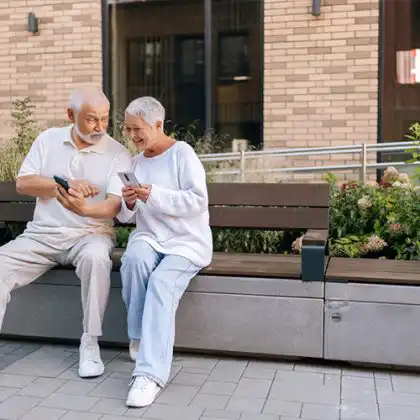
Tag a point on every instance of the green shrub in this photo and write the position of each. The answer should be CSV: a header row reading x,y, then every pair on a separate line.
x,y
14,150
380,220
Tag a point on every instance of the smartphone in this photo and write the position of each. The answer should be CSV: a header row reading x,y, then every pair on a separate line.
x,y
62,182
129,179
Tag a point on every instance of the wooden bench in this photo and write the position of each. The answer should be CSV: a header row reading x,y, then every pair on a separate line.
x,y
245,303
372,311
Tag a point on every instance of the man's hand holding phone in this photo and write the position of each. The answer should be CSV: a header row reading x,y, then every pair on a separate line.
x,y
84,187
72,200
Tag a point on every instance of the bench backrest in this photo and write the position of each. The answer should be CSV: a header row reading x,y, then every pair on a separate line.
x,y
231,205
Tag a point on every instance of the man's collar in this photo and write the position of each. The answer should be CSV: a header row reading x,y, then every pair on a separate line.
x,y
99,147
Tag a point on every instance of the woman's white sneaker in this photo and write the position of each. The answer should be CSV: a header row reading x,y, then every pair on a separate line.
x,y
133,349
142,392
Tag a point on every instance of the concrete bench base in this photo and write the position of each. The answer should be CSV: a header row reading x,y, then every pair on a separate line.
x,y
275,317
372,323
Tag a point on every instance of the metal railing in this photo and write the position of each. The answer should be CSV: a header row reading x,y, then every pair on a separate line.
x,y
361,149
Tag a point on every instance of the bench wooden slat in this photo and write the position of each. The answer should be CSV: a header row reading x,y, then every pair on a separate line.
x,y
315,237
269,217
359,270
16,212
254,194
246,265
8,193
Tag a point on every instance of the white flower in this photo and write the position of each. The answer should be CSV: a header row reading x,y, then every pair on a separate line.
x,y
404,178
297,245
374,244
390,174
397,184
364,203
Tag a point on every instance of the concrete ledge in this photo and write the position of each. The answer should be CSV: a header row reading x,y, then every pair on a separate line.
x,y
372,323
276,317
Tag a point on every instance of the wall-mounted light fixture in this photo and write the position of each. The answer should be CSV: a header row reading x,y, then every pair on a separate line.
x,y
32,23
316,7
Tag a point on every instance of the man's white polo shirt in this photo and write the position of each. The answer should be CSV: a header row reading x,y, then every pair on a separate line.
x,y
54,153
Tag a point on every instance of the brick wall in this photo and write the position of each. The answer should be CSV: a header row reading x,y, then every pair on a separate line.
x,y
320,74
64,54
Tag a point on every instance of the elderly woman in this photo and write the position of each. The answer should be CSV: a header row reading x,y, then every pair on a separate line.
x,y
172,242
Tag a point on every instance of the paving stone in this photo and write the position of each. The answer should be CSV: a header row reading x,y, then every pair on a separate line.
x,y
44,413
282,408
171,412
358,388
228,371
6,393
135,412
174,372
222,414
383,384
51,368
255,416
320,412
219,388
70,402
118,365
189,379
397,412
210,401
15,381
309,392
397,398
248,387
276,365
363,373
356,410
16,407
72,374
317,368
42,387
111,388
200,362
259,372
110,406
77,415
77,387
409,384
113,417
254,405
298,378
178,394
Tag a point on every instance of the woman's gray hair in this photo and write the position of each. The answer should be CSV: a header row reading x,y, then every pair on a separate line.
x,y
87,95
147,108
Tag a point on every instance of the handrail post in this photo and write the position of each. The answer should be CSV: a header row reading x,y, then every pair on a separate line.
x,y
242,163
363,161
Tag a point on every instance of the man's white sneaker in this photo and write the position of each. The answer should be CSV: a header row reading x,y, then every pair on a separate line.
x,y
142,392
133,349
90,362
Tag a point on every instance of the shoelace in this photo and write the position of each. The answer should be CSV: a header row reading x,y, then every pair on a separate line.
x,y
140,383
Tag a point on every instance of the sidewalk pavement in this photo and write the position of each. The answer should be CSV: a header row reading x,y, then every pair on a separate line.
x,y
40,382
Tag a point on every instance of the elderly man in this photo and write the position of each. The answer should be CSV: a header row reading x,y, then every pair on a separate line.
x,y
74,227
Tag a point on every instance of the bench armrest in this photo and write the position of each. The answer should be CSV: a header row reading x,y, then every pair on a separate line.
x,y
313,260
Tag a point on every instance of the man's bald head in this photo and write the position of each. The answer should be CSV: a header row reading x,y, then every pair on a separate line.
x,y
88,95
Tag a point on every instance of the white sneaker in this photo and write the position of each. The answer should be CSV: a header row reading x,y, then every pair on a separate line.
x,y
90,362
143,392
133,349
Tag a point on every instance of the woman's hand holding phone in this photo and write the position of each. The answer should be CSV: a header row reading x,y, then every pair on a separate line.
x,y
131,194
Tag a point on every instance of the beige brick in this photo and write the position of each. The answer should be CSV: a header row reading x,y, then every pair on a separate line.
x,y
42,66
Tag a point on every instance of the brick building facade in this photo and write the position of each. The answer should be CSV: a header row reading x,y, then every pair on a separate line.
x,y
318,78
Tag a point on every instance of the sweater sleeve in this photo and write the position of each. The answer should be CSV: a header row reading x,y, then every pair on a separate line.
x,y
126,215
192,198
